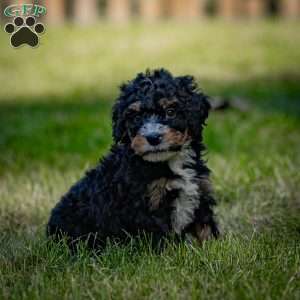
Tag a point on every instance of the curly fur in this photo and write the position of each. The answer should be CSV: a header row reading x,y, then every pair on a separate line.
x,y
159,186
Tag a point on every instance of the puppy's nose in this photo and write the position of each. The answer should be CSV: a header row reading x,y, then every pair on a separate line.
x,y
154,139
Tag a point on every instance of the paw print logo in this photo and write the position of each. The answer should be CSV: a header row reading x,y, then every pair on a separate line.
x,y
24,31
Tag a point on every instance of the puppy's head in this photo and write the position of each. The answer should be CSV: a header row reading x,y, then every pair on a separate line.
x,y
157,115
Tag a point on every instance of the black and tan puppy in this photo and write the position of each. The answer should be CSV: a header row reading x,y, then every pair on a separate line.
x,y
154,179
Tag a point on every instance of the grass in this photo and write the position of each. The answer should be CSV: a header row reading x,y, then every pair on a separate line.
x,y
55,122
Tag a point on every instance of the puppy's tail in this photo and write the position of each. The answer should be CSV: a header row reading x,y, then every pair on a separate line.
x,y
224,103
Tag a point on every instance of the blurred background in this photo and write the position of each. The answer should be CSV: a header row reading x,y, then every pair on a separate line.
x,y
88,11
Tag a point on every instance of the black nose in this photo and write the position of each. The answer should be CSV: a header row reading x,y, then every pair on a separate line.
x,y
153,139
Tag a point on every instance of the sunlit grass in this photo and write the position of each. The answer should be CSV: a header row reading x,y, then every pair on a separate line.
x,y
70,59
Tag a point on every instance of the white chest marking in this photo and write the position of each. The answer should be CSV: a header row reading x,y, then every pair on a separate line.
x,y
188,199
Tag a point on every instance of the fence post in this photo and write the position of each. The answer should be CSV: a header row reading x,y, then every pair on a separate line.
x,y
150,9
85,11
55,11
255,8
229,8
188,9
290,8
175,8
195,8
118,10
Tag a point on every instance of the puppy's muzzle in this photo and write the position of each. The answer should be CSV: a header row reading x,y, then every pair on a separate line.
x,y
153,133
158,142
154,139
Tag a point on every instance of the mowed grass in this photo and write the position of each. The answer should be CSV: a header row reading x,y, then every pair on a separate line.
x,y
55,123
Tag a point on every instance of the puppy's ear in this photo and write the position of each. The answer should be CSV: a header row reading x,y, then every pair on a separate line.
x,y
127,90
197,104
119,131
202,104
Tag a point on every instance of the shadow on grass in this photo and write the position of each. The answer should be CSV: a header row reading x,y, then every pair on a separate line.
x,y
76,129
55,133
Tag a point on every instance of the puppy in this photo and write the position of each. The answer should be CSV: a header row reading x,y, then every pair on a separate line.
x,y
154,179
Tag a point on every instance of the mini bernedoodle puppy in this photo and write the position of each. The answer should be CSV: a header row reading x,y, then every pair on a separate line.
x,y
154,179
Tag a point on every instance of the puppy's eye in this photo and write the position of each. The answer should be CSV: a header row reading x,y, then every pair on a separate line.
x,y
137,119
171,113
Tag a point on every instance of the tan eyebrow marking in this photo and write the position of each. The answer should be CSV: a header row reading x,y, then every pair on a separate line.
x,y
165,103
136,106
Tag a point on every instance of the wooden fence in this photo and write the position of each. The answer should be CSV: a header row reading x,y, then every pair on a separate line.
x,y
87,11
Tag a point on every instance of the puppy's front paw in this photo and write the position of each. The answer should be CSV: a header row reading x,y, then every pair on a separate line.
x,y
204,232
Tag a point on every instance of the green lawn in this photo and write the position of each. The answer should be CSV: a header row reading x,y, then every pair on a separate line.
x,y
55,123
